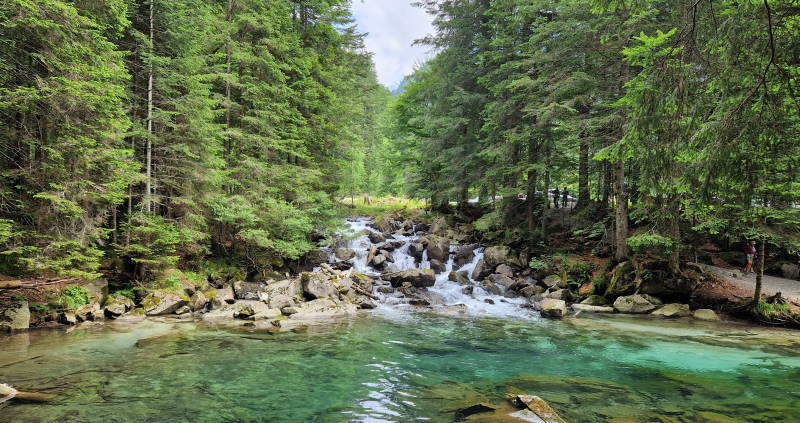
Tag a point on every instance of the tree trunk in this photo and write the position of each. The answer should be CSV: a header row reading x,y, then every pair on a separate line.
x,y
621,218
149,165
583,176
531,195
228,19
760,273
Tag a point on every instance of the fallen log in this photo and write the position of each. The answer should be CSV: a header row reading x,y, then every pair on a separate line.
x,y
364,292
8,393
10,284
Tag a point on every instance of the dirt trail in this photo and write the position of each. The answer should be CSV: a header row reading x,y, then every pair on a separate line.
x,y
770,284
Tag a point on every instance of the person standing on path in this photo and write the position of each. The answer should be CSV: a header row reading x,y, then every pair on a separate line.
x,y
556,195
565,198
750,253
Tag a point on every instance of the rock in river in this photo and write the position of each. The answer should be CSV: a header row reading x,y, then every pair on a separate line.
x,y
418,278
345,253
14,315
634,304
673,310
162,302
554,308
317,285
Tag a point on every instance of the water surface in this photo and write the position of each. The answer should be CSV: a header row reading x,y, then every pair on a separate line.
x,y
405,367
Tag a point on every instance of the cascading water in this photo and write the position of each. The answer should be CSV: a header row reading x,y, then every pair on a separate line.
x,y
479,302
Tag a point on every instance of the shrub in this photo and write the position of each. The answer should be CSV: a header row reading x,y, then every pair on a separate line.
x,y
73,297
652,244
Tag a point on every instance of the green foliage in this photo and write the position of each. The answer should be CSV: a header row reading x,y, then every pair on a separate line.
x,y
769,311
128,293
579,272
652,244
73,297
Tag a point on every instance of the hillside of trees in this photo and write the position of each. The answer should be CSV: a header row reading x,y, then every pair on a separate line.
x,y
142,135
153,132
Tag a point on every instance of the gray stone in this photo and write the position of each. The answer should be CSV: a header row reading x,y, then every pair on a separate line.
x,y
222,296
421,296
592,308
595,300
490,287
505,269
531,291
323,309
673,310
116,305
89,312
15,315
552,307
344,253
416,277
183,310
279,301
790,271
705,314
198,301
438,248
481,270
386,290
378,261
437,266
68,318
468,290
554,281
495,256
246,290
633,304
461,278
376,237
291,288
225,312
559,294
416,249
159,303
502,280
464,254
317,285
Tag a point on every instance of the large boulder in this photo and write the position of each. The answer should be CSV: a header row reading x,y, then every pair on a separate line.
x,y
505,269
502,280
221,296
495,256
552,307
322,308
254,310
198,301
438,248
291,288
554,281
344,253
438,267
559,294
671,288
418,278
314,258
416,249
673,310
461,278
385,224
376,237
531,291
89,312
317,285
490,287
595,300
246,290
464,255
482,270
421,297
636,304
116,305
705,314
159,303
622,281
14,314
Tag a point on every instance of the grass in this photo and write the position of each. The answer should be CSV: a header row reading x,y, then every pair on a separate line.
x,y
379,205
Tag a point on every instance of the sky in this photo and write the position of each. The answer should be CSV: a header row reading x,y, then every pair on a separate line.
x,y
393,25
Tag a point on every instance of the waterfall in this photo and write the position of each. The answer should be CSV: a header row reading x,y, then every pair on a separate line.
x,y
356,237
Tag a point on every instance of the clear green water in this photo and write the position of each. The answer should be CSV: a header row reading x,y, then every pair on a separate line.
x,y
405,368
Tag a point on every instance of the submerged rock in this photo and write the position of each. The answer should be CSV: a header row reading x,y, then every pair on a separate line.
x,y
535,409
553,308
592,308
634,304
481,407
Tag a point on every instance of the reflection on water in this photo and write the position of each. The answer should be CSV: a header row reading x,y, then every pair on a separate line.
x,y
413,367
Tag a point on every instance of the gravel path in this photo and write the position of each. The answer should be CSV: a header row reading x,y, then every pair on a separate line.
x,y
770,284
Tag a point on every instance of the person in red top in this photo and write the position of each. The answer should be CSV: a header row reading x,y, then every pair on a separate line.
x,y
751,253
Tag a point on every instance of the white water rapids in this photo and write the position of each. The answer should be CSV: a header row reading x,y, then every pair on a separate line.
x,y
476,303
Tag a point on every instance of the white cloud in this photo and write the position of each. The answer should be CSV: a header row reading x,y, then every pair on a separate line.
x,y
393,25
